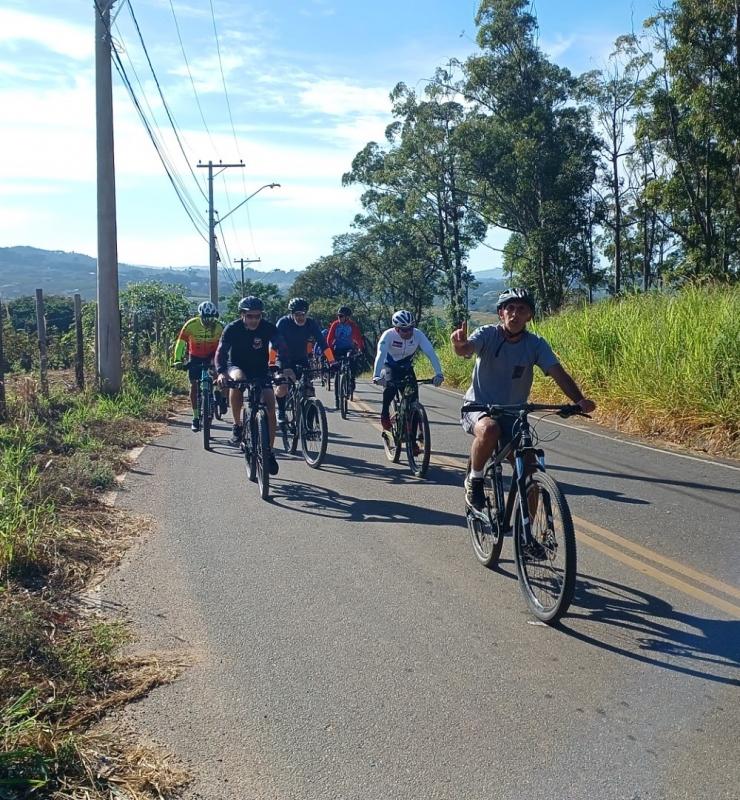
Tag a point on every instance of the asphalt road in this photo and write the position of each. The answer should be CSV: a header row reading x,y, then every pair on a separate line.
x,y
344,643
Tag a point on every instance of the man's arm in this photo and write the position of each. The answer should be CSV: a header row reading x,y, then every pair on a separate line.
x,y
181,345
331,335
570,388
222,354
429,352
381,356
357,337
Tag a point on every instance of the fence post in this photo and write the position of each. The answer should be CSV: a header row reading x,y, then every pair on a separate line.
x,y
134,340
3,408
41,330
80,351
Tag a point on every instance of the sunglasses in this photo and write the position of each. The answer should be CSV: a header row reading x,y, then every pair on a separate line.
x,y
299,313
253,316
405,330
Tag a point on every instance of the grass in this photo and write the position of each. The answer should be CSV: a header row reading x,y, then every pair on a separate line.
x,y
61,667
666,365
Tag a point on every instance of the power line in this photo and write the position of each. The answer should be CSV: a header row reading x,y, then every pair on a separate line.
x,y
164,102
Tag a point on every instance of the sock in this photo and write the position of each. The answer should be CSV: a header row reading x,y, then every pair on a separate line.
x,y
281,404
196,413
476,473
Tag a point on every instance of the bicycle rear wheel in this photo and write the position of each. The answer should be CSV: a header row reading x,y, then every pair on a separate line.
x,y
261,446
486,536
314,432
392,438
288,428
205,419
418,440
547,565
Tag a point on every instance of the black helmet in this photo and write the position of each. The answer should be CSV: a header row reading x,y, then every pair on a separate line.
x,y
251,303
297,304
344,311
515,294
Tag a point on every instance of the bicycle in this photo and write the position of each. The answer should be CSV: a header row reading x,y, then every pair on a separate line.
x,y
344,385
255,443
409,426
544,538
305,419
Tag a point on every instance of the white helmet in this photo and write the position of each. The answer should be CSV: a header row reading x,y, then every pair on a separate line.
x,y
403,319
207,309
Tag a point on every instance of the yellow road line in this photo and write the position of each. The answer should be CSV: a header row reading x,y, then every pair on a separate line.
x,y
584,528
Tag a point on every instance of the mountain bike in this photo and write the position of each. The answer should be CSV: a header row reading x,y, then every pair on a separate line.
x,y
206,403
255,442
305,419
409,426
544,539
344,385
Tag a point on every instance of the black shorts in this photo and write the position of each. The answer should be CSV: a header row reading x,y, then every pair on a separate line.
x,y
195,367
236,373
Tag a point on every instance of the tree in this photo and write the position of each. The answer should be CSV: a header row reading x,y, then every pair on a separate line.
x,y
269,293
692,99
152,314
531,149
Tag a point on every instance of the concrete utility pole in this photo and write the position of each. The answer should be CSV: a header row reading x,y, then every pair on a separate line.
x,y
241,262
212,257
109,322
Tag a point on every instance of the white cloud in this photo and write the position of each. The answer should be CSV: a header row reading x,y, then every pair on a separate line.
x,y
340,98
73,41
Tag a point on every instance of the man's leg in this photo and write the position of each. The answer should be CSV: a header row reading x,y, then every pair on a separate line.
x,y
486,434
194,368
236,396
268,398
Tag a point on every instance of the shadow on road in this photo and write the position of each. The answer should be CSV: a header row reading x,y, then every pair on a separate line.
x,y
651,631
388,472
306,498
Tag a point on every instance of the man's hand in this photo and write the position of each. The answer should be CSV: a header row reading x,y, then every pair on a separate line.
x,y
437,380
334,366
379,380
181,365
221,379
459,339
587,405
290,375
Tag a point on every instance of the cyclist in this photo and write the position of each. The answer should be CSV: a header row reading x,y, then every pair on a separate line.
x,y
344,335
198,340
243,355
296,328
505,356
396,349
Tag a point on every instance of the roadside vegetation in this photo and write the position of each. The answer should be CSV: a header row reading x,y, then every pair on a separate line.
x,y
61,663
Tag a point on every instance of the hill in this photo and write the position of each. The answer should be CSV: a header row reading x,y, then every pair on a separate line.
x,y
25,269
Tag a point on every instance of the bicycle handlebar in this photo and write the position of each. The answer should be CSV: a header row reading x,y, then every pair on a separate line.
x,y
563,410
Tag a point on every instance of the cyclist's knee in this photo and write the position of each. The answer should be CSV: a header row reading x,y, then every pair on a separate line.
x,y
487,431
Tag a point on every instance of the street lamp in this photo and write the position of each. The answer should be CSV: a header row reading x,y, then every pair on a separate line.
x,y
229,213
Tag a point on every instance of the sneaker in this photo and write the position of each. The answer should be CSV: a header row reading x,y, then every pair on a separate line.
x,y
274,466
385,422
195,425
236,435
475,496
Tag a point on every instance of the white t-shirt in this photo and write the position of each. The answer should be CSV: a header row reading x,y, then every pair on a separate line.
x,y
393,348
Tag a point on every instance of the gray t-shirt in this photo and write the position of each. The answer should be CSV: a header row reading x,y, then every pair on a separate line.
x,y
503,370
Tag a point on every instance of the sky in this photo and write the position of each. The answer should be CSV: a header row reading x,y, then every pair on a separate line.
x,y
307,84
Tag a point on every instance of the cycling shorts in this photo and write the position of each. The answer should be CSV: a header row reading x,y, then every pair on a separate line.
x,y
195,366
238,374
505,423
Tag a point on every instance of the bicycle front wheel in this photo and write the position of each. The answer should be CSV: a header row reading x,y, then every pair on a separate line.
x,y
314,433
486,535
249,446
261,447
547,564
418,440
205,419
344,392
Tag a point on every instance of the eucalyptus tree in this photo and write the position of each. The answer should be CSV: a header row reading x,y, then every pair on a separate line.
x,y
423,179
693,98
530,148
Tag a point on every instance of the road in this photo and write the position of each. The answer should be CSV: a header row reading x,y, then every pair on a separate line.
x,y
344,643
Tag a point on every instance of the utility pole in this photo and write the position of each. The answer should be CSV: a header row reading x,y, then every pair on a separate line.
x,y
241,262
109,322
212,257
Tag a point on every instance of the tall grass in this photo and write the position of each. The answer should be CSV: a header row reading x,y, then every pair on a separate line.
x,y
666,363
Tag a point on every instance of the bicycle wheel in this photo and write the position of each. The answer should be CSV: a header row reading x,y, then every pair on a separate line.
x,y
418,440
547,565
205,419
216,403
314,433
261,446
250,448
344,392
288,427
486,537
392,438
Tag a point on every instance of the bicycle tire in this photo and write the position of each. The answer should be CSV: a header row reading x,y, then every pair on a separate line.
x,y
417,433
205,420
343,395
392,438
287,427
314,433
216,408
538,570
262,454
487,540
249,448
296,420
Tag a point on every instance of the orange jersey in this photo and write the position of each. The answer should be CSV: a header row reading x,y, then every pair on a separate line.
x,y
196,340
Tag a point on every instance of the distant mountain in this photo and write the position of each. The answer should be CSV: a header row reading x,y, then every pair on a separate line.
x,y
489,275
25,269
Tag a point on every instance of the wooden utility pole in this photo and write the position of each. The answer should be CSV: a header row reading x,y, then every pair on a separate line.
x,y
241,262
3,407
41,330
109,322
80,350
212,255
